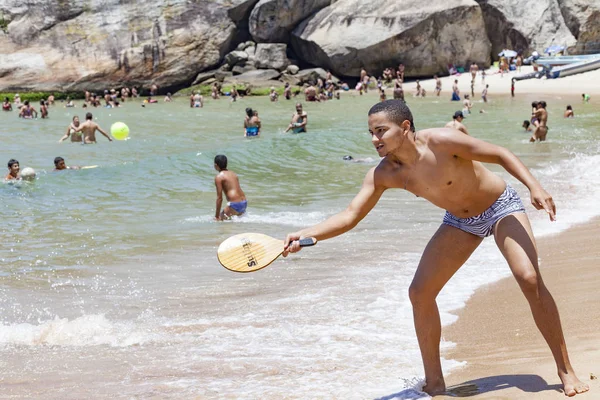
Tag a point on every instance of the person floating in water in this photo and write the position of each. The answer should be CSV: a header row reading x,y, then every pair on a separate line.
x,y
60,165
13,170
527,125
299,120
445,167
251,123
228,183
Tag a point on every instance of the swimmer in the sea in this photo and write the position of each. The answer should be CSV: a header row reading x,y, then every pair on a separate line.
x,y
60,165
13,170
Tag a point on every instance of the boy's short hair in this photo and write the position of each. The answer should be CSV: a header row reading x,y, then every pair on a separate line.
x,y
57,160
89,116
396,110
12,162
221,161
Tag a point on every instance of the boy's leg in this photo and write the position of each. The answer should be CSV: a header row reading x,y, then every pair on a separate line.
x,y
515,240
446,252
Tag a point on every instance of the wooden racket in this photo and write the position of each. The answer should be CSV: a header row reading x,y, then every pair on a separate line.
x,y
248,252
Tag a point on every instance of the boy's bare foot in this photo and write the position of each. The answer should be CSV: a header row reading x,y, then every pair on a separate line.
x,y
435,387
572,385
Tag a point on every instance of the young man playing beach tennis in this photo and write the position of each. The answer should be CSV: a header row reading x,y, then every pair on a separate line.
x,y
227,182
444,166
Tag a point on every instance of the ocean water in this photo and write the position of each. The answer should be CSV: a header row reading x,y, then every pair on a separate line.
x,y
109,282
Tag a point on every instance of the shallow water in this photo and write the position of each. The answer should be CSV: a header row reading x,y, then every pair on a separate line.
x,y
109,282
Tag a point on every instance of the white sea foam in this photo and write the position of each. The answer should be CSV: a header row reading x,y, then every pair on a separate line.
x,y
87,330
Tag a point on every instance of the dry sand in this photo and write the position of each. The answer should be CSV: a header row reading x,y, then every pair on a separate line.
x,y
506,355
570,85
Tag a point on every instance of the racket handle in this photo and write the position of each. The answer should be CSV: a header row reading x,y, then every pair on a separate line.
x,y
307,242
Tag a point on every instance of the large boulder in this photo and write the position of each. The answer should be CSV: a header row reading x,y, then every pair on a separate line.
x,y
273,20
236,57
255,77
271,56
92,44
426,37
583,19
524,25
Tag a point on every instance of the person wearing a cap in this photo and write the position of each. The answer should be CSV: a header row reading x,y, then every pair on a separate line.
x,y
456,123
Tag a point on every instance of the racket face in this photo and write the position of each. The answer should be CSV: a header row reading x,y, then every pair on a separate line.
x,y
248,252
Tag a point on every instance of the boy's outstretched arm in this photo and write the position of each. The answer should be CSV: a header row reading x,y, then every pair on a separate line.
x,y
470,148
341,222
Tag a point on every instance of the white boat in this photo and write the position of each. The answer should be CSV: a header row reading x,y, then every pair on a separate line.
x,y
565,60
572,69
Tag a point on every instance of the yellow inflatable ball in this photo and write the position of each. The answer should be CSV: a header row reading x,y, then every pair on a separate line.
x,y
119,131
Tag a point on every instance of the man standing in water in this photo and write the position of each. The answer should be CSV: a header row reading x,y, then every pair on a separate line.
x,y
89,128
228,182
299,120
456,123
444,167
541,115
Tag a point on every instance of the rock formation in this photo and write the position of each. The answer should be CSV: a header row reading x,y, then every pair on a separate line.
x,y
521,26
98,44
425,37
583,19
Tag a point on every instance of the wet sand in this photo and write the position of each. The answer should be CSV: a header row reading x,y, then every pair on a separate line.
x,y
506,355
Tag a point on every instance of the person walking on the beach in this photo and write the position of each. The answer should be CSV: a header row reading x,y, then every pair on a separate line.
x,y
456,123
438,85
455,91
445,167
541,115
228,183
89,128
473,70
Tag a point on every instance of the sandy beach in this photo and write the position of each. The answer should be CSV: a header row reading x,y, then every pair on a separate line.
x,y
506,355
500,85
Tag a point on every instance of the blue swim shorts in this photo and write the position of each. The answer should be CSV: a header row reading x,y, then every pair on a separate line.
x,y
239,206
482,225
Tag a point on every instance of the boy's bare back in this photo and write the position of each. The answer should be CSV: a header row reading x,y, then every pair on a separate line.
x,y
231,186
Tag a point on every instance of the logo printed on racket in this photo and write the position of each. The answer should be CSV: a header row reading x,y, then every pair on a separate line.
x,y
246,245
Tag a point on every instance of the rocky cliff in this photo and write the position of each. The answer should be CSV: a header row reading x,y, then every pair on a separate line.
x,y
94,44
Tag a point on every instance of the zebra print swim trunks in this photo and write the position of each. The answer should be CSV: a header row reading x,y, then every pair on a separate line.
x,y
482,225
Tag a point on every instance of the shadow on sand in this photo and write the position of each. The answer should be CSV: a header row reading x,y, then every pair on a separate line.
x,y
525,383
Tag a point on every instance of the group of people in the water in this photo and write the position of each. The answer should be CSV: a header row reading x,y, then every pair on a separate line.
x,y
28,174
